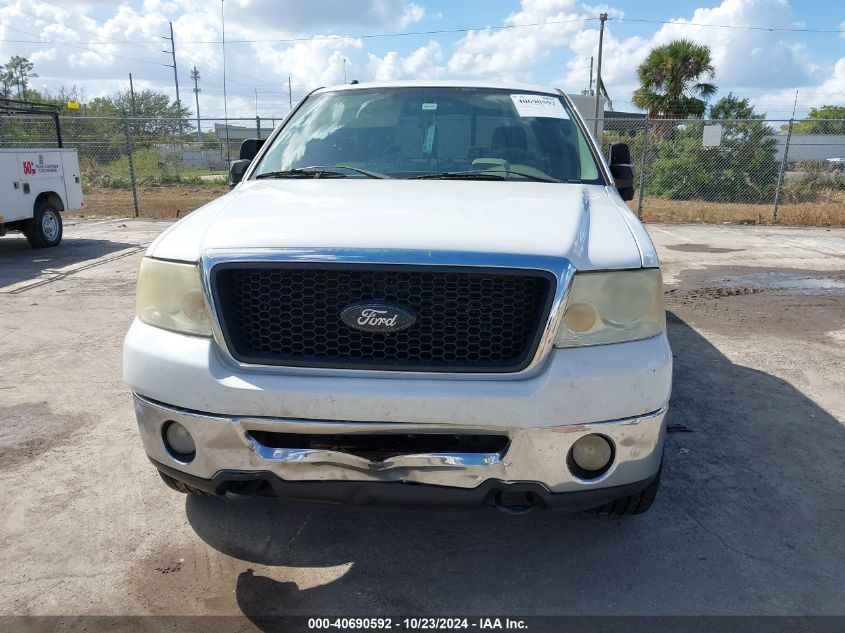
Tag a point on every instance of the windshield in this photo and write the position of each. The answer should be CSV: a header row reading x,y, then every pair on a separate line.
x,y
434,132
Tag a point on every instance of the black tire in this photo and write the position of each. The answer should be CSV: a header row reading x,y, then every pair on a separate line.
x,y
634,504
44,229
182,487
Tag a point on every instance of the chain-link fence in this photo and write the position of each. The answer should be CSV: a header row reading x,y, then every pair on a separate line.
x,y
689,170
736,170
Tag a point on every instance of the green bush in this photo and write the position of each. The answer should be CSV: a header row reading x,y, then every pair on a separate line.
x,y
151,169
812,186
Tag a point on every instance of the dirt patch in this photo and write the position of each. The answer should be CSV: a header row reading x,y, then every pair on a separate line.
x,y
153,202
29,429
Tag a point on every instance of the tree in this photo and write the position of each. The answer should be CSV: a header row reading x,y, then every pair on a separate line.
x,y
828,119
21,70
670,77
7,80
154,112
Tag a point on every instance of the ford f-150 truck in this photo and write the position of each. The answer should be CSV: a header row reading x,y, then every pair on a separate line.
x,y
417,293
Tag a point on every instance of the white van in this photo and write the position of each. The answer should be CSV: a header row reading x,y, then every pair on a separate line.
x,y
36,186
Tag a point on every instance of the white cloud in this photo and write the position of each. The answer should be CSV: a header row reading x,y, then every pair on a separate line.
x,y
513,53
423,63
307,16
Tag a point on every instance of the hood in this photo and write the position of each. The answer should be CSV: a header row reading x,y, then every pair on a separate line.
x,y
580,222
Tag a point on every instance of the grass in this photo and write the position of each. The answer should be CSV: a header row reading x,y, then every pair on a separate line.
x,y
828,210
151,169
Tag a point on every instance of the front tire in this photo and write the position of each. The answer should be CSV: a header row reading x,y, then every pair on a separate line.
x,y
637,503
44,229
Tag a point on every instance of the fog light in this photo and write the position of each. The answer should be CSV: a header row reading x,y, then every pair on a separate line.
x,y
179,442
592,453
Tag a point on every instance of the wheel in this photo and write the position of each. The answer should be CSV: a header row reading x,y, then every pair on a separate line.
x,y
182,487
633,504
45,228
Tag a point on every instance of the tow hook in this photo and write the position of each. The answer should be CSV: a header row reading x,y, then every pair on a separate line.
x,y
515,503
243,490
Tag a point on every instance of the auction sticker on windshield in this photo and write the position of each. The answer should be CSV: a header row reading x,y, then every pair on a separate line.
x,y
539,106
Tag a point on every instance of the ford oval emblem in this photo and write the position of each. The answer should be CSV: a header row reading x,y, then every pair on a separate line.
x,y
376,316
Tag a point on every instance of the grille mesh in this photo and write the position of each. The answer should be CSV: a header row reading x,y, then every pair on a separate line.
x,y
478,321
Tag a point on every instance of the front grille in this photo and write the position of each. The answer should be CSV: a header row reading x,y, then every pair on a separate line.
x,y
484,320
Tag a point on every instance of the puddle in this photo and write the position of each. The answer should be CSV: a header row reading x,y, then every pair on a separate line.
x,y
795,282
701,248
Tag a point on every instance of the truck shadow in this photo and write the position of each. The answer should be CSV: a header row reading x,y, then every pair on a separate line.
x,y
20,262
748,522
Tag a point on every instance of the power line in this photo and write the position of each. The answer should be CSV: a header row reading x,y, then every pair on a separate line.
x,y
75,28
403,34
91,17
730,26
90,50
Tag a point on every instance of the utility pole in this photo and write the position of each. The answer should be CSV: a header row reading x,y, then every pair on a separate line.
x,y
783,161
602,20
132,94
225,100
290,95
175,74
195,75
590,86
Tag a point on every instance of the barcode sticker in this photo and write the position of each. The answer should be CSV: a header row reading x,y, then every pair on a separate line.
x,y
539,106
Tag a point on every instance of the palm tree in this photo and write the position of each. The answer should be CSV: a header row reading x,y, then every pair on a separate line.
x,y
670,80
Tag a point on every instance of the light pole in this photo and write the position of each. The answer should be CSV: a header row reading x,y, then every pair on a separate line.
x,y
195,75
225,100
602,20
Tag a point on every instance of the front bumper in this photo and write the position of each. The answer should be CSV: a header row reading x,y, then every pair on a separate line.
x,y
511,497
534,461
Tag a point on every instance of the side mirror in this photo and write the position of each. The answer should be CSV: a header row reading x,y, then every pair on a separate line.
x,y
622,170
237,170
250,147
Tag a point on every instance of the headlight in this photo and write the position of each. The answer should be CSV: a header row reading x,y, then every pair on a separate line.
x,y
170,297
612,307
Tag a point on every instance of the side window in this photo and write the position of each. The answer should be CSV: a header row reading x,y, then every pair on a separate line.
x,y
589,171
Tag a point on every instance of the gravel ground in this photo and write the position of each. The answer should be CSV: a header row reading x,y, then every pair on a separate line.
x,y
749,520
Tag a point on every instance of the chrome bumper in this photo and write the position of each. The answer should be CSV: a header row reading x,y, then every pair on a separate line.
x,y
536,455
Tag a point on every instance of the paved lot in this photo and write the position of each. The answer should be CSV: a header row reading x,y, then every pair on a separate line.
x,y
750,519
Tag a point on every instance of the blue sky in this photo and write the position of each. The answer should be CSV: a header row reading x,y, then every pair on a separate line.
x,y
94,44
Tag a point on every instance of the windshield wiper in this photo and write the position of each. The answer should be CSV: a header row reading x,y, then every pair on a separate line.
x,y
320,171
482,174
459,175
540,177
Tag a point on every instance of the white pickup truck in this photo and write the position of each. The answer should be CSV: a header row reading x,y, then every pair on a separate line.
x,y
417,293
36,186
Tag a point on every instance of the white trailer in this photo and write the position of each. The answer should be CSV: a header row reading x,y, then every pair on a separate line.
x,y
36,186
